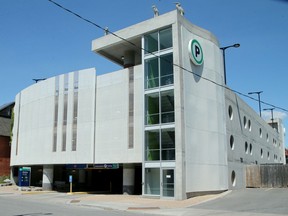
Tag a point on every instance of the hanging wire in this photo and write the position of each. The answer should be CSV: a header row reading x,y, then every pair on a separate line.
x,y
147,51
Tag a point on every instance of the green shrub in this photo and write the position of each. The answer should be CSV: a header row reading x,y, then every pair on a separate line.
x,y
2,178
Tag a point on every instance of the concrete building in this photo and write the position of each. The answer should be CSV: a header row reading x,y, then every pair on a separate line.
x,y
5,132
159,127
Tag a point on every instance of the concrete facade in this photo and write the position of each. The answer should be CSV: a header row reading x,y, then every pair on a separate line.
x,y
159,127
250,140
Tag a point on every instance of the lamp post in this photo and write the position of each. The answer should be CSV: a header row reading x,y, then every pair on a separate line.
x,y
271,109
259,101
223,51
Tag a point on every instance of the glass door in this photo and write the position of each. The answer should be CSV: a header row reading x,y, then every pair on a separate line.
x,y
168,182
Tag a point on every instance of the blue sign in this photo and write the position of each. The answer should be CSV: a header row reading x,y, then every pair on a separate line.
x,y
70,178
106,166
76,166
24,176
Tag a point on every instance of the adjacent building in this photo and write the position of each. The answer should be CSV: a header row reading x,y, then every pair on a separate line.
x,y
164,126
5,133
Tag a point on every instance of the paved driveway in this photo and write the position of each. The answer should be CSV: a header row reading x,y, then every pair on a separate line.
x,y
248,202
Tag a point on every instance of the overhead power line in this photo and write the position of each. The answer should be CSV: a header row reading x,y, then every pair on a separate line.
x,y
141,48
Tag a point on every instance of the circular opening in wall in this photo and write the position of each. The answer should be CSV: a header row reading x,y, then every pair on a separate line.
x,y
249,125
260,132
246,147
250,149
230,112
245,122
233,178
232,142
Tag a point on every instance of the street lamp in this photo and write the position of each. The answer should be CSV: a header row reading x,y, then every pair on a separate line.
x,y
37,80
259,101
271,109
223,51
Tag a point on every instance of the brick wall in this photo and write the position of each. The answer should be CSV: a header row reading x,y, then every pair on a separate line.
x,y
4,156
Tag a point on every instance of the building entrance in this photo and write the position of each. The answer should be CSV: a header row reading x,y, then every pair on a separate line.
x,y
168,182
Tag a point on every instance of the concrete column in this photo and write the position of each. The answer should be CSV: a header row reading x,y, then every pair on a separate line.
x,y
129,59
47,180
128,178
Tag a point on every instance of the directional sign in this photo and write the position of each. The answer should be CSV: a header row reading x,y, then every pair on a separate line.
x,y
24,176
76,166
106,166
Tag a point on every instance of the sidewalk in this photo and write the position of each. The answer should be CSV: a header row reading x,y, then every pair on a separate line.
x,y
122,202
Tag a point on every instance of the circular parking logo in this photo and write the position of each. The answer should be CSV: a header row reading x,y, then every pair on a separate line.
x,y
195,52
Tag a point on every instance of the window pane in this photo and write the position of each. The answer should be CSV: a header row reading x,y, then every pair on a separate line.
x,y
168,144
167,106
152,109
165,38
151,73
151,42
166,69
152,181
152,147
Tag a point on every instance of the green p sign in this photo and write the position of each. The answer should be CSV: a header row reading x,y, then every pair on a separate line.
x,y
195,52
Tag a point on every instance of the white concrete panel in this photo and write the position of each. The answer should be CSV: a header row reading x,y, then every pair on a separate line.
x,y
204,117
35,136
112,115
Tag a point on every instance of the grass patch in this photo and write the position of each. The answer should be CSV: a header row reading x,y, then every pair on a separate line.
x,y
2,178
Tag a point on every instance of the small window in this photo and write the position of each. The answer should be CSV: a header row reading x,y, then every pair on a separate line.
x,y
230,112
245,122
267,137
249,125
260,132
246,147
232,142
251,149
261,153
268,155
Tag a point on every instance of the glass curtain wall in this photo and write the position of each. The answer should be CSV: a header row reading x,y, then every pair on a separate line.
x,y
159,130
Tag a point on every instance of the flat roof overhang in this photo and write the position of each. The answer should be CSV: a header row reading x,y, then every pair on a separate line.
x,y
113,46
115,52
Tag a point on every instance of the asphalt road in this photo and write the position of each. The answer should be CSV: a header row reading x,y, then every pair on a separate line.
x,y
273,201
247,202
49,204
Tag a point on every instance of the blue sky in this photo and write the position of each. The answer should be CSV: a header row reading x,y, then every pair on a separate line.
x,y
39,40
